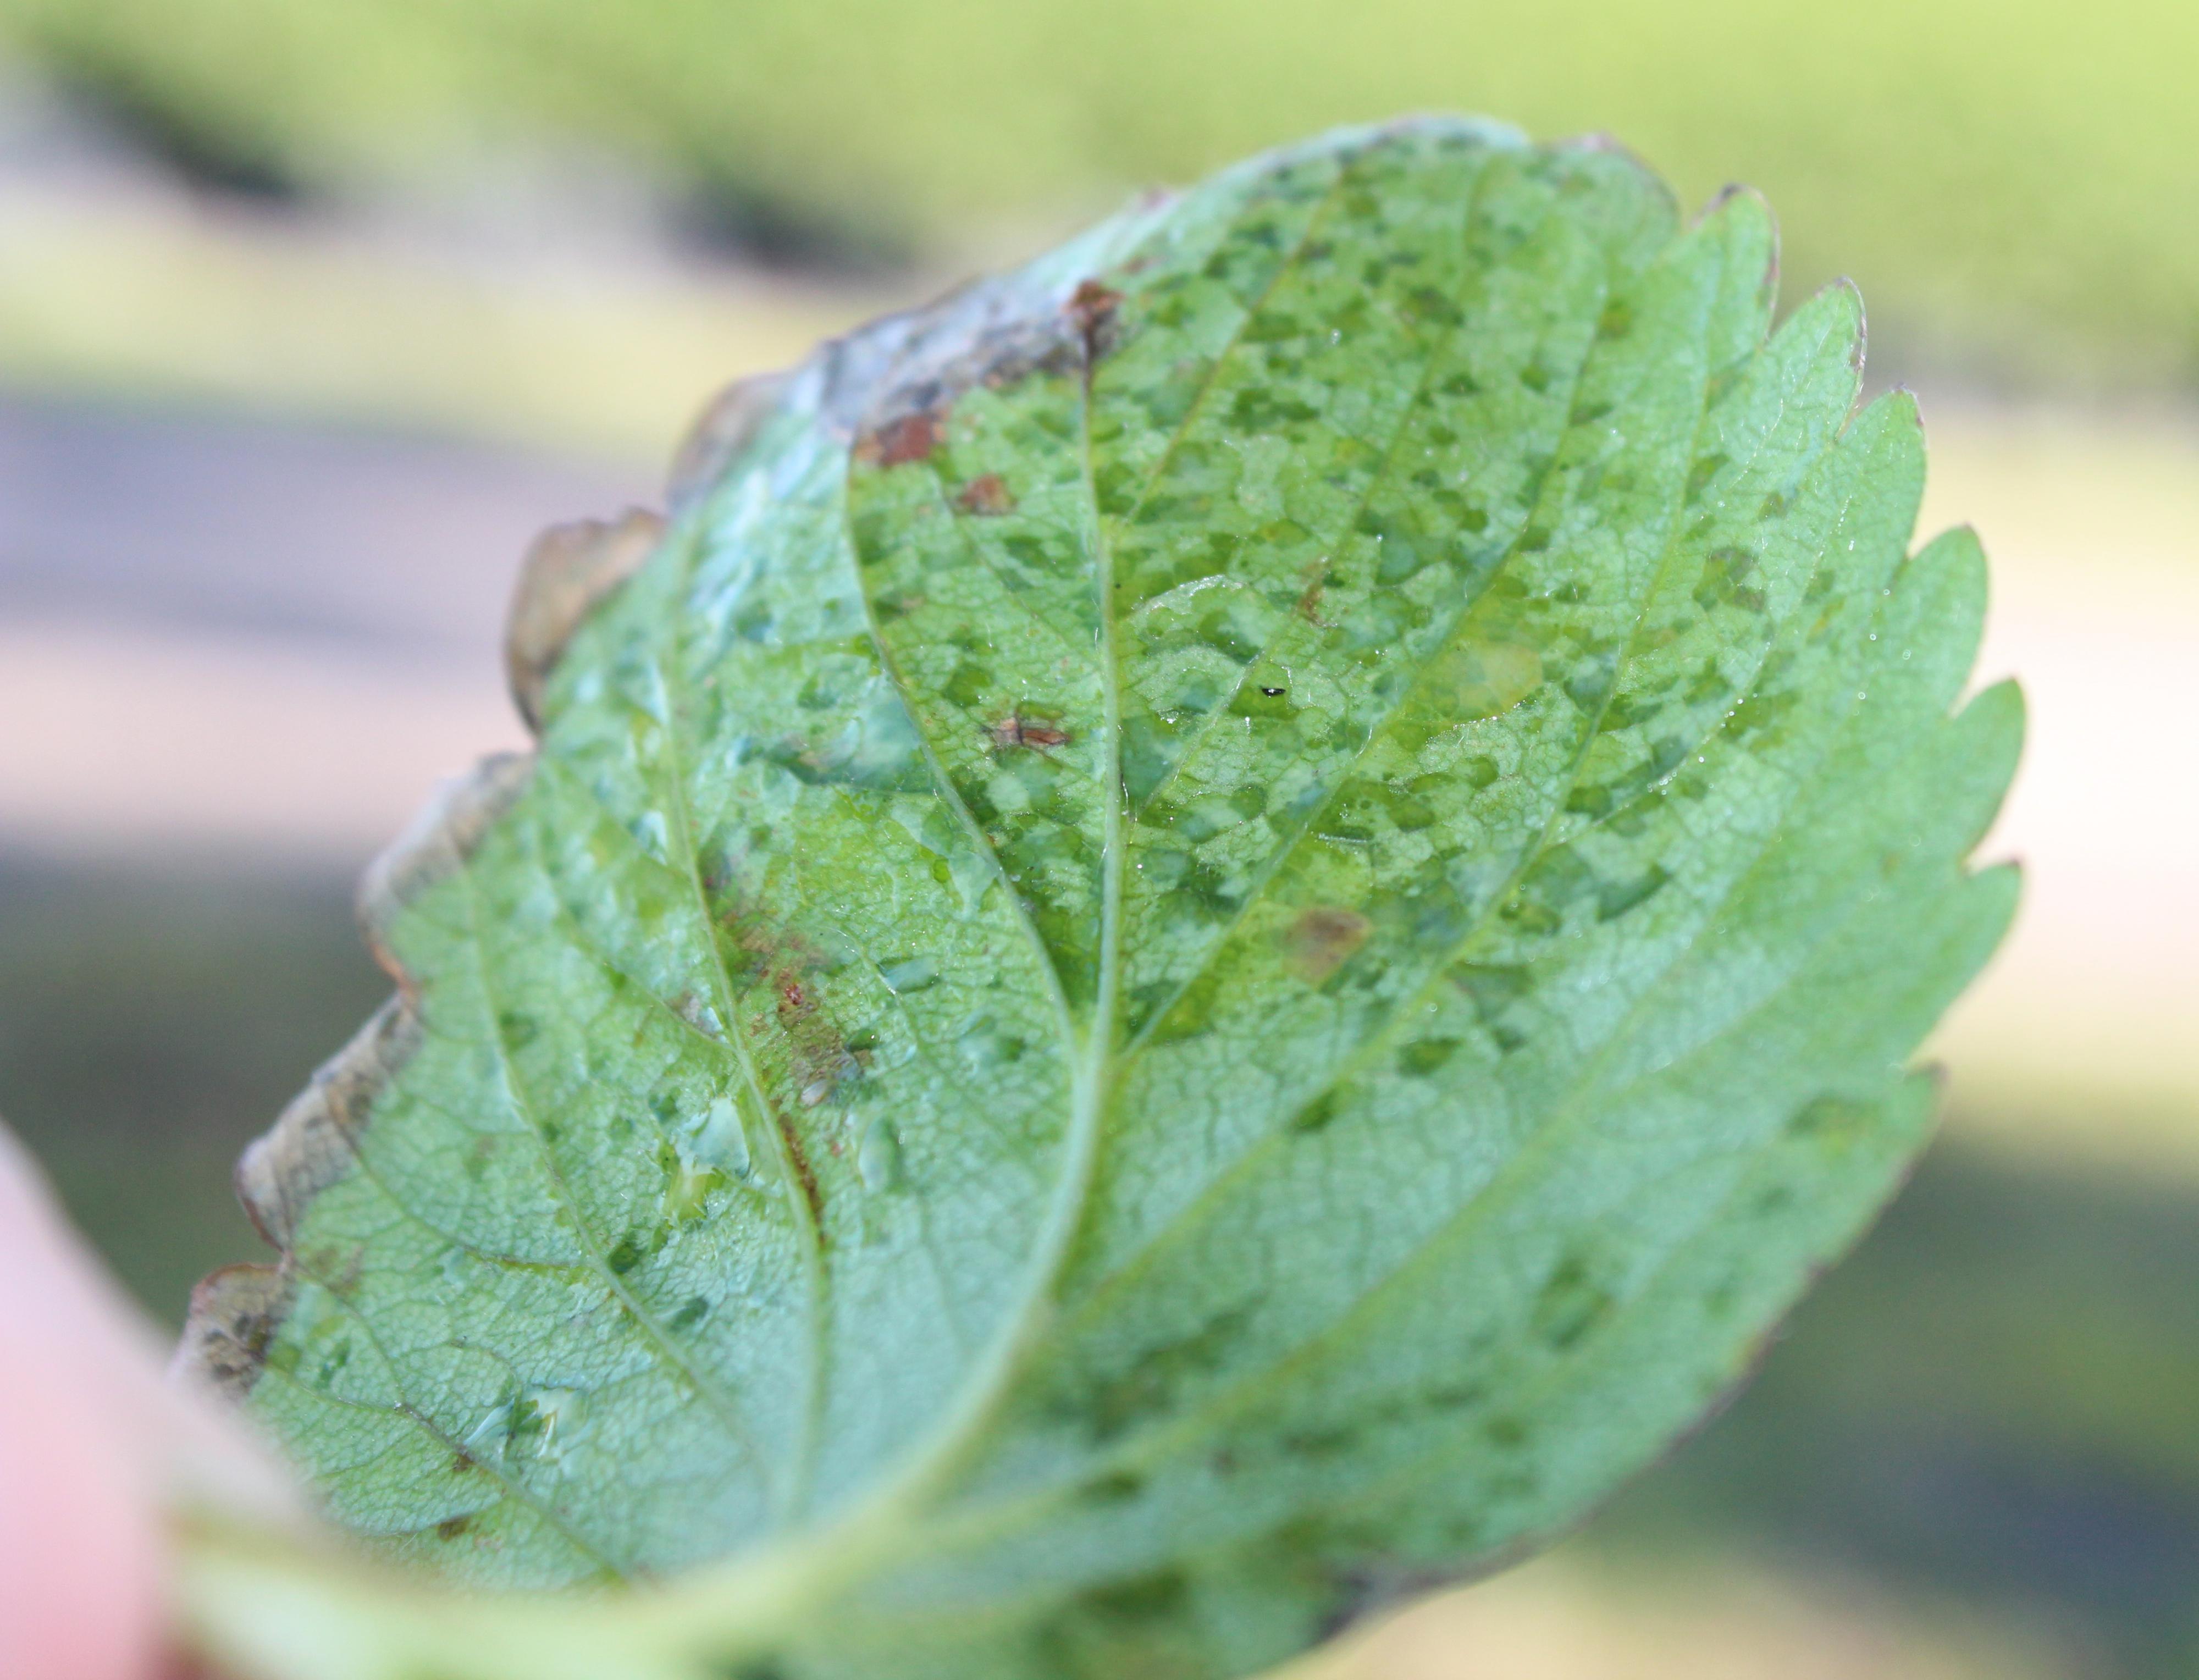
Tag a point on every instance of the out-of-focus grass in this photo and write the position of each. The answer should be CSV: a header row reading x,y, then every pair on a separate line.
x,y
153,1020
1992,1397
134,298
1599,1612
2014,175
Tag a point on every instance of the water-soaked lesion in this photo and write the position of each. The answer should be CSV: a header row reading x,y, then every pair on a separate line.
x,y
1420,878
1406,568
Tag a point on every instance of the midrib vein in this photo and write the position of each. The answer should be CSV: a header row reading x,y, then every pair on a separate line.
x,y
1091,1054
1435,352
1285,266
1143,1450
787,1579
791,1494
1530,855
1342,775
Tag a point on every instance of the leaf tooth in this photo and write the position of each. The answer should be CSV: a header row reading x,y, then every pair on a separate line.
x,y
234,1313
720,434
314,1141
435,846
569,570
1740,223
1991,729
1943,590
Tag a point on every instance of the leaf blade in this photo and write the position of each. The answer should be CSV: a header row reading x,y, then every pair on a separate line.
x,y
1219,927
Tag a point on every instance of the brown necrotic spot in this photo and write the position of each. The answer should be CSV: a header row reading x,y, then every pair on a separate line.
x,y
234,1315
1093,307
1016,729
1323,939
909,437
798,1157
987,496
1309,605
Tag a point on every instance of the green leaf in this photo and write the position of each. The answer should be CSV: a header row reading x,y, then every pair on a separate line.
x,y
1210,937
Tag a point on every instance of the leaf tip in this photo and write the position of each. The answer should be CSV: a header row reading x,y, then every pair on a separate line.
x,y
1600,144
1846,290
2002,705
1601,140
1898,425
1748,213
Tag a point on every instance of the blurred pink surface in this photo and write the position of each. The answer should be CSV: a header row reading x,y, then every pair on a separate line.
x,y
82,1438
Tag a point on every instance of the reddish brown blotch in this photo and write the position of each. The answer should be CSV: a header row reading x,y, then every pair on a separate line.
x,y
1016,731
1323,939
913,437
1091,305
986,495
1316,576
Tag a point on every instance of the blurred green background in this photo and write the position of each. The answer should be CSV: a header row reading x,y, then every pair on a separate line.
x,y
311,309
1998,169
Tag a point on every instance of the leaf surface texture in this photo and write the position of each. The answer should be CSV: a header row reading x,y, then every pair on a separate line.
x,y
1214,934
